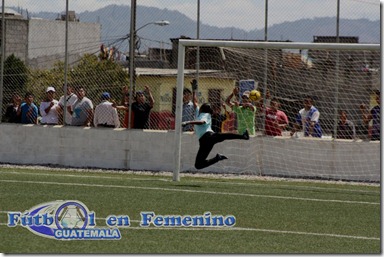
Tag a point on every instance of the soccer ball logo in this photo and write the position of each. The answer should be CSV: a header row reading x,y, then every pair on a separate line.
x,y
71,215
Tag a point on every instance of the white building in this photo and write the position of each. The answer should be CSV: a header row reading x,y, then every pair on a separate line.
x,y
41,43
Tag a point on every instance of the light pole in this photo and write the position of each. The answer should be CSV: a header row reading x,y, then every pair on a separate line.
x,y
132,66
132,43
158,23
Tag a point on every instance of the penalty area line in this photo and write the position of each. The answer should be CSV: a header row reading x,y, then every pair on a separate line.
x,y
300,233
196,180
190,191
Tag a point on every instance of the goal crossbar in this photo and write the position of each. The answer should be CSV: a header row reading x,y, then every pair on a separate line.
x,y
279,45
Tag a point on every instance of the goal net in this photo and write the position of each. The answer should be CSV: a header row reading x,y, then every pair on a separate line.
x,y
332,87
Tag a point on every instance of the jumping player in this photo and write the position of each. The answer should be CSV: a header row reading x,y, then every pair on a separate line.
x,y
208,138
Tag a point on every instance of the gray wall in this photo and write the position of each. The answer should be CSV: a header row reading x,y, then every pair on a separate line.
x,y
16,38
154,151
46,41
41,43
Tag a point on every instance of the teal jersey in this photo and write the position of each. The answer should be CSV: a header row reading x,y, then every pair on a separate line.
x,y
200,130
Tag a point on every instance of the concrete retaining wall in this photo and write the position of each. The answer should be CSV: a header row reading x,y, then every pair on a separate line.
x,y
154,151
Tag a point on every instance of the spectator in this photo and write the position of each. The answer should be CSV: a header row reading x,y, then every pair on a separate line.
x,y
48,108
217,118
126,115
70,99
308,120
260,102
260,106
82,109
188,109
345,127
141,108
229,124
373,115
28,111
275,120
362,129
268,98
11,111
105,114
245,112
124,105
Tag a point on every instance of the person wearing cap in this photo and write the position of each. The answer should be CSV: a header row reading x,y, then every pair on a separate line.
x,y
141,108
105,114
245,111
48,108
70,99
82,109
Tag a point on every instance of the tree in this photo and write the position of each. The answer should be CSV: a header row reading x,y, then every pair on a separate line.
x,y
97,76
15,79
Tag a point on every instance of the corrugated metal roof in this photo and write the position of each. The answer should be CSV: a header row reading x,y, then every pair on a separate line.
x,y
171,72
10,11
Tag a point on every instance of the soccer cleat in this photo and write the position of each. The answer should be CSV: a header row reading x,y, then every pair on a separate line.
x,y
246,135
221,157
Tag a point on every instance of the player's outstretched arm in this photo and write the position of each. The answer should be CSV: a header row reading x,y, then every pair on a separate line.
x,y
150,96
194,93
229,98
193,122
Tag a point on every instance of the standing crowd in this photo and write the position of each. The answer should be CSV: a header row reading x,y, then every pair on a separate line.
x,y
245,111
79,109
242,115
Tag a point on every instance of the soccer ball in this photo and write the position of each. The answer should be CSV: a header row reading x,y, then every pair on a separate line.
x,y
254,95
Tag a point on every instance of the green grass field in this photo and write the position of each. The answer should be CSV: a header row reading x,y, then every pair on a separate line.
x,y
272,216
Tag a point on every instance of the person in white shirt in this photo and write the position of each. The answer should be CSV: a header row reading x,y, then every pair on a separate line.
x,y
70,100
48,108
105,113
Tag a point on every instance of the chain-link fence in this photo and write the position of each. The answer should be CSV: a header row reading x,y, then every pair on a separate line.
x,y
97,47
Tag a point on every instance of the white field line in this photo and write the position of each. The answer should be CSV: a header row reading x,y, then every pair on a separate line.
x,y
189,191
243,229
195,181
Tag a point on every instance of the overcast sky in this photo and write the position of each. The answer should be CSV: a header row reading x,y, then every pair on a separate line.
x,y
245,14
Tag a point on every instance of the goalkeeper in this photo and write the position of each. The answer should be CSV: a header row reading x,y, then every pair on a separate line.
x,y
208,138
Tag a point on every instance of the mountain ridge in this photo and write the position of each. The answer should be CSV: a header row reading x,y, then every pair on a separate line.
x,y
115,26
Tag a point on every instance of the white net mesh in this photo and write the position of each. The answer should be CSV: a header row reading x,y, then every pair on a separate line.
x,y
332,89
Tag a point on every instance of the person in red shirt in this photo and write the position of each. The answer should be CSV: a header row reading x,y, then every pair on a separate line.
x,y
275,120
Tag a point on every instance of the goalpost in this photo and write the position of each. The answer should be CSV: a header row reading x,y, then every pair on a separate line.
x,y
338,76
